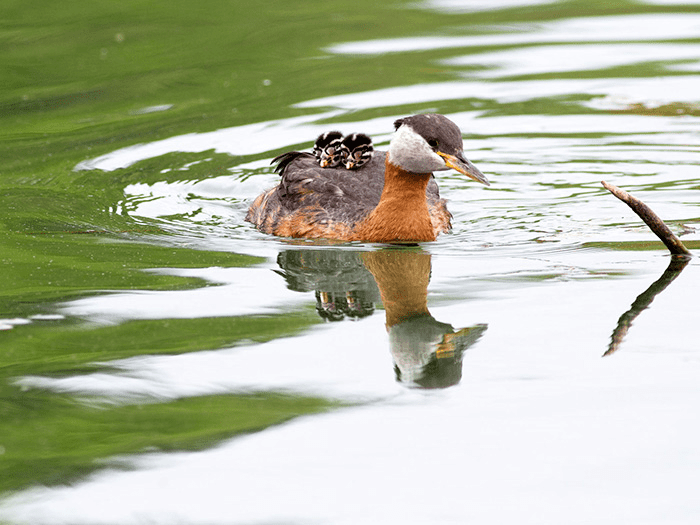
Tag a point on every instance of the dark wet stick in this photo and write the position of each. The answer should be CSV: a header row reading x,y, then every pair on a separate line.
x,y
652,220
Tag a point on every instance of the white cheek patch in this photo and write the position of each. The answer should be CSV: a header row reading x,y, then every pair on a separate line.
x,y
411,152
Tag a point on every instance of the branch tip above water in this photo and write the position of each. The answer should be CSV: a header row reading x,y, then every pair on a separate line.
x,y
650,218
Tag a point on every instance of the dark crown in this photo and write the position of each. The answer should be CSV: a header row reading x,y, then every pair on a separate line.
x,y
327,138
355,140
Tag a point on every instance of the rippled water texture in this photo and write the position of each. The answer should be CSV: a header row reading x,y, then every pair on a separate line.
x,y
165,362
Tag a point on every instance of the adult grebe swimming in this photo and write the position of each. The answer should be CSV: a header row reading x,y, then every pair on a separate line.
x,y
392,198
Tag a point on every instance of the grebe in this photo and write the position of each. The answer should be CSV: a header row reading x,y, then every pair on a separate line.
x,y
357,150
328,152
392,198
328,149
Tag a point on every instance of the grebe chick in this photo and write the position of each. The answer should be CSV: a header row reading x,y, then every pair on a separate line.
x,y
328,152
392,198
357,150
328,149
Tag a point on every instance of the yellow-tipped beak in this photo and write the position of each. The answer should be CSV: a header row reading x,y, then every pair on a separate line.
x,y
462,165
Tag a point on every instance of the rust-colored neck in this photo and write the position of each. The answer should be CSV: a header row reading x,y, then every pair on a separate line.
x,y
402,213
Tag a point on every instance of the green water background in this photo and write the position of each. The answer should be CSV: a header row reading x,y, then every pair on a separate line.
x,y
82,79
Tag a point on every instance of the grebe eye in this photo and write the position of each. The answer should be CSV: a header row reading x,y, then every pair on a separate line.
x,y
433,143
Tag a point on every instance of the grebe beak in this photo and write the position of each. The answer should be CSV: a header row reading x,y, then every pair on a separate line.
x,y
460,163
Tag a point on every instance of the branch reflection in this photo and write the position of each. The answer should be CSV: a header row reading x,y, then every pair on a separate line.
x,y
426,352
643,301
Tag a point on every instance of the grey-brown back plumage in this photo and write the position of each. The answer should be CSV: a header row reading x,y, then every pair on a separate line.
x,y
325,196
347,196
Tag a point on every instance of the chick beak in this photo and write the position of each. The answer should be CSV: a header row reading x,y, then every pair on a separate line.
x,y
460,163
325,162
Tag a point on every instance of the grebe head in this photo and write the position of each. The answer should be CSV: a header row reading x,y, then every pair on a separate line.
x,y
358,150
430,142
327,149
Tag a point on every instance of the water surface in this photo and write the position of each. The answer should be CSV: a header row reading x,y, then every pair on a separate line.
x,y
164,362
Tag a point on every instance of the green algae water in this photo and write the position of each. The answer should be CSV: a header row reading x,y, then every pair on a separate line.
x,y
539,363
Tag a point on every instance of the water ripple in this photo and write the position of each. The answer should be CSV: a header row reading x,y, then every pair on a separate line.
x,y
642,27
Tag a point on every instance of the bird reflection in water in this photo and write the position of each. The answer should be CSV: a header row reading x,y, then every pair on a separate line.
x,y
427,353
342,284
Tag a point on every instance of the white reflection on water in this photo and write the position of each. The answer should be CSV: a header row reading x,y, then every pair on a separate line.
x,y
632,90
351,361
470,6
581,57
651,27
474,457
538,415
240,140
671,2
352,371
260,286
500,442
